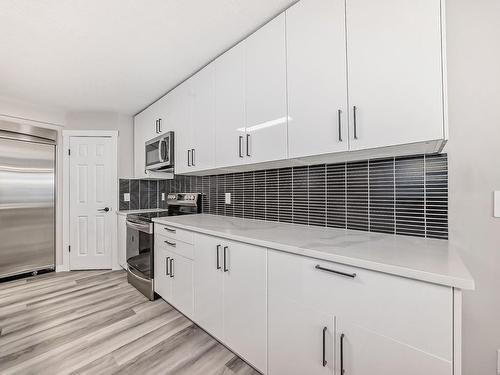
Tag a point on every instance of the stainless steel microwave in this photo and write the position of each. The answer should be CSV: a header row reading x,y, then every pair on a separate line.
x,y
160,152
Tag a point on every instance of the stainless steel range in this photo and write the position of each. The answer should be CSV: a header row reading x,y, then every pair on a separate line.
x,y
140,239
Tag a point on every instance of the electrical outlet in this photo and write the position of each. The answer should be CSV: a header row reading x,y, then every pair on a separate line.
x,y
228,198
162,196
126,197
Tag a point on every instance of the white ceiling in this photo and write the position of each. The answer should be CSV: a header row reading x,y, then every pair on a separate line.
x,y
115,55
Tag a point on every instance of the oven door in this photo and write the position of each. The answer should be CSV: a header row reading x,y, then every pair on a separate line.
x,y
140,243
159,152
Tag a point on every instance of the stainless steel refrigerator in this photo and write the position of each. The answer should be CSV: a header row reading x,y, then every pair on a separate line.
x,y
27,198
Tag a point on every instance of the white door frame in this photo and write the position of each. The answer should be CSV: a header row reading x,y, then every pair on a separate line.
x,y
66,135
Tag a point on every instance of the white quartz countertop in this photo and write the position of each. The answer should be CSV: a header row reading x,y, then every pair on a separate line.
x,y
126,212
428,260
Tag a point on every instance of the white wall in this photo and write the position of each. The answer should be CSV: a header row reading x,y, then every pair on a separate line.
x,y
109,121
27,111
473,38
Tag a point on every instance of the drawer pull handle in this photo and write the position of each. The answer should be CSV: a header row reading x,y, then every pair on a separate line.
x,y
318,267
324,347
173,244
169,230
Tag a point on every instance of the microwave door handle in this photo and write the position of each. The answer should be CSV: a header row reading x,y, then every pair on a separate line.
x,y
160,153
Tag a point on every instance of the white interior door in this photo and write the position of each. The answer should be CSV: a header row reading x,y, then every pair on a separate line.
x,y
93,171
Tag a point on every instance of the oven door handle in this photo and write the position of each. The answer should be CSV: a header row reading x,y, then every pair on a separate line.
x,y
146,228
133,271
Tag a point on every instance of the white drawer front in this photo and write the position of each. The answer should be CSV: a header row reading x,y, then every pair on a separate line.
x,y
175,246
412,312
174,233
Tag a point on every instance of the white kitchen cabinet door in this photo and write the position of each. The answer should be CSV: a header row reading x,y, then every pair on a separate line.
x,y
181,270
265,87
182,125
162,279
301,339
122,241
141,123
202,117
395,67
230,107
317,78
208,282
245,301
365,352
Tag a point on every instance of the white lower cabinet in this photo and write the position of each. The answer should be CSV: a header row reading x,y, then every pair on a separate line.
x,y
231,295
290,314
162,279
301,339
173,275
122,241
384,324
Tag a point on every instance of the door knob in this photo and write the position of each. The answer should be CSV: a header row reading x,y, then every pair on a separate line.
x,y
105,209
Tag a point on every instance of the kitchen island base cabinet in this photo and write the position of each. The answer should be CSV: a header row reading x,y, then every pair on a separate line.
x,y
231,295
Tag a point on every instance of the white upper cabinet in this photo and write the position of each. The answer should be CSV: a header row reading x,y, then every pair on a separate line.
x,y
265,93
182,126
395,67
202,117
317,78
230,107
195,138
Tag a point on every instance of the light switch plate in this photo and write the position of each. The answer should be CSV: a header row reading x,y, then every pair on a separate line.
x,y
162,196
126,197
228,198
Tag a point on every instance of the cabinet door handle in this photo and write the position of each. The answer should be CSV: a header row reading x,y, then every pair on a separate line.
x,y
189,158
225,259
248,145
318,267
172,267
324,346
355,122
192,157
342,371
173,244
166,266
218,256
240,146
156,126
339,114
159,125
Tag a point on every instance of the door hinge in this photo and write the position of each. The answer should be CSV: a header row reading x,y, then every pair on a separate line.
x,y
69,249
69,151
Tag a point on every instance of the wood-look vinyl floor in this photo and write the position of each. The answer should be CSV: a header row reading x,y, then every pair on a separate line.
x,y
94,322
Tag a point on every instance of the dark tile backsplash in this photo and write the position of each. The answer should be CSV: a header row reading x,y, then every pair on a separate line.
x,y
403,195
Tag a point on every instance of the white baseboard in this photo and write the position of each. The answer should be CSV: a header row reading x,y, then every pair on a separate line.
x,y
61,268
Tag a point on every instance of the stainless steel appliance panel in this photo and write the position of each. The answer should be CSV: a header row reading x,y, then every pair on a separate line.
x,y
27,206
159,152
